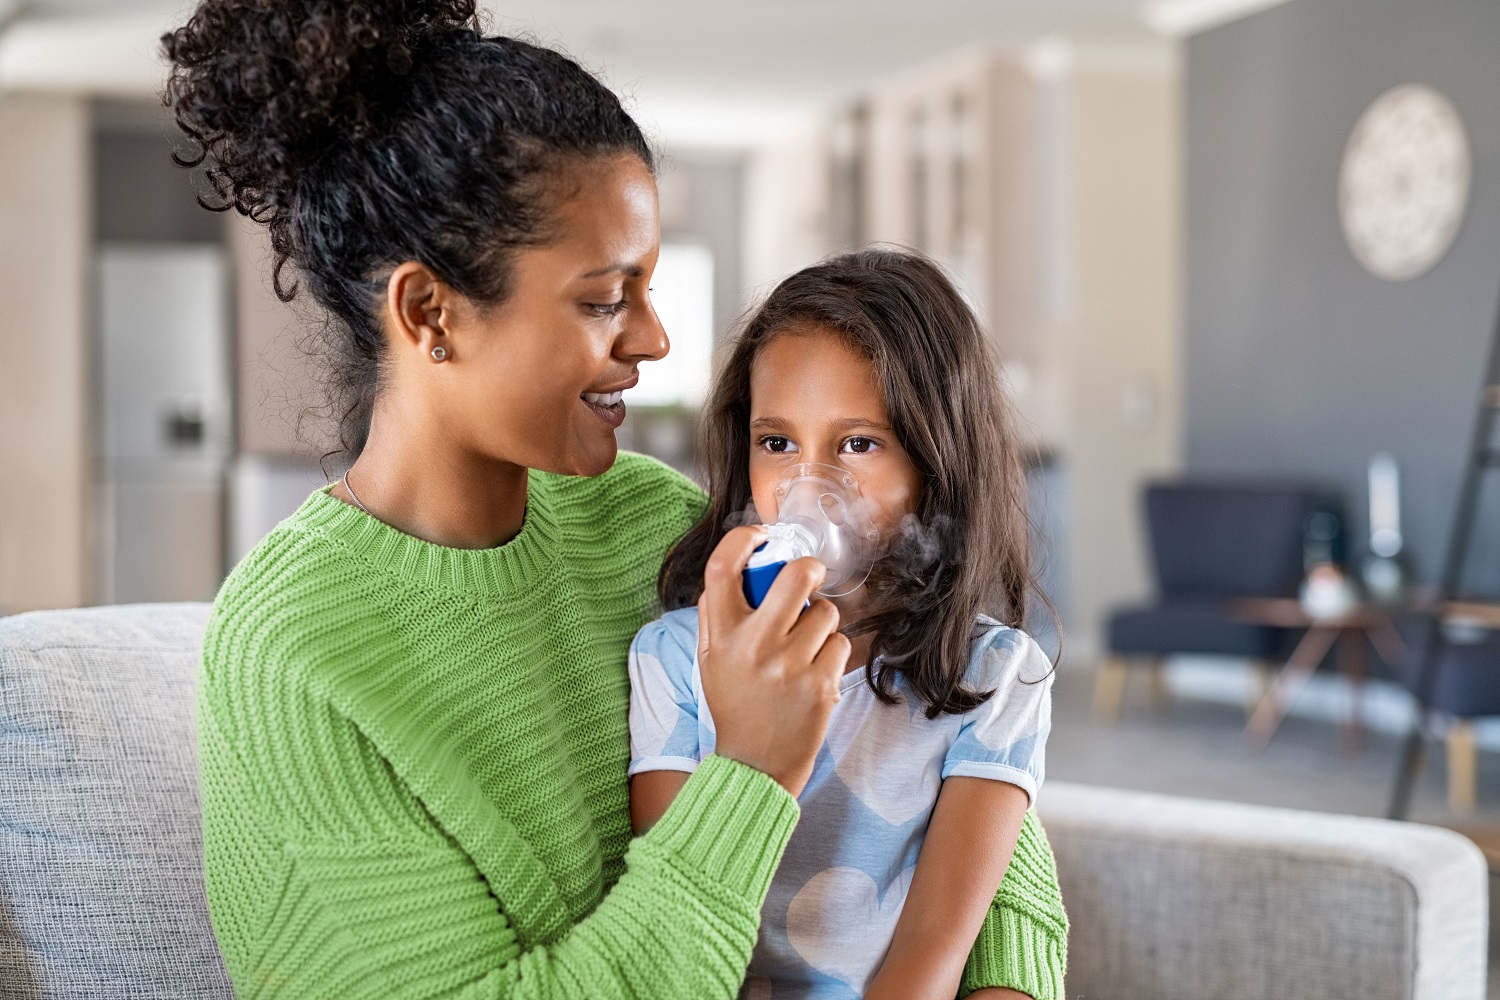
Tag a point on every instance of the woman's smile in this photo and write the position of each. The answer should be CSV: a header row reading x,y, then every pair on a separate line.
x,y
608,406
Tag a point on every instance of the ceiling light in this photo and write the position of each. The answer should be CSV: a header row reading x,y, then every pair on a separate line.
x,y
1178,18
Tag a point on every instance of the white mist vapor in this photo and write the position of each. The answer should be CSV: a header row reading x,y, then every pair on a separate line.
x,y
914,548
742,518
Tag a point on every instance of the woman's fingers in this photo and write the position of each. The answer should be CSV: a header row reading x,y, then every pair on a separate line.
x,y
722,587
790,592
812,630
833,659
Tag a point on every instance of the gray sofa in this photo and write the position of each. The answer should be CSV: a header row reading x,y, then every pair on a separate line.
x,y
1171,899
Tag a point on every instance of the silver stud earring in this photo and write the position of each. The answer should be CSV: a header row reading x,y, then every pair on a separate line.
x,y
440,353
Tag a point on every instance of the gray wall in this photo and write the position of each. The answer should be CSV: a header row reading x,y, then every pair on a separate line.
x,y
1300,364
139,193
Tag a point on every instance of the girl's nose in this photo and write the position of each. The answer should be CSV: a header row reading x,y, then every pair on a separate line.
x,y
822,455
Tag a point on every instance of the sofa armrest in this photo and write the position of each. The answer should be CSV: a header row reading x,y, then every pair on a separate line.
x,y
101,848
1180,898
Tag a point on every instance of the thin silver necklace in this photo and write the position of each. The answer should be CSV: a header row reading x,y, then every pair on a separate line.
x,y
354,496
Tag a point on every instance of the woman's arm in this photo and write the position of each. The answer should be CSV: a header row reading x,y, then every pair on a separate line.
x,y
969,843
396,909
734,639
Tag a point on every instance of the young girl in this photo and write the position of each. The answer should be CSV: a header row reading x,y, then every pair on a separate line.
x,y
872,363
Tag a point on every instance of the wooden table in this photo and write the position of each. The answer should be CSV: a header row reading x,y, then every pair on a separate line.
x,y
1349,631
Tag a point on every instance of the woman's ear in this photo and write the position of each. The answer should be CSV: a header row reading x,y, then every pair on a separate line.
x,y
419,309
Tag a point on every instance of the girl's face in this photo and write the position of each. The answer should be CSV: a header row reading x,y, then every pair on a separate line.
x,y
815,399
544,369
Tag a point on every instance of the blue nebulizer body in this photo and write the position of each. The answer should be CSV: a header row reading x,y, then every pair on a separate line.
x,y
819,513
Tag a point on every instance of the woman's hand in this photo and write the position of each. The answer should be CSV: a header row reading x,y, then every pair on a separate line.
x,y
770,675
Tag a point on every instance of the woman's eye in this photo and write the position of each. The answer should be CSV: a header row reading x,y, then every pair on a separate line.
x,y
859,446
777,444
608,308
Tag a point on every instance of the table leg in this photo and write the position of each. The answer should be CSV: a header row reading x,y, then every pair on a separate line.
x,y
1463,768
1289,682
1352,666
1389,644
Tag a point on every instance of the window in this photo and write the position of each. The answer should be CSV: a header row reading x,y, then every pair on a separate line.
x,y
682,290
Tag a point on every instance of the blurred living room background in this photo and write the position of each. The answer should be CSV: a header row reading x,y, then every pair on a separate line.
x,y
1239,258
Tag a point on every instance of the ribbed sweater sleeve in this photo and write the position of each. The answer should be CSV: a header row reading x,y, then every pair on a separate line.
x,y
373,918
1023,944
682,920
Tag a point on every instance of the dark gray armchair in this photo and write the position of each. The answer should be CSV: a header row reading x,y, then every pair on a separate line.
x,y
1209,542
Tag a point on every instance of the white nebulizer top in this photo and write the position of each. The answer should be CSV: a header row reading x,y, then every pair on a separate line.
x,y
786,542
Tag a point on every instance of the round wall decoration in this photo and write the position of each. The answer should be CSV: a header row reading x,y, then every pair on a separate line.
x,y
1404,184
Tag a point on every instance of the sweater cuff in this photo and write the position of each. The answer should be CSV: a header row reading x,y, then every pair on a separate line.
x,y
1020,954
730,822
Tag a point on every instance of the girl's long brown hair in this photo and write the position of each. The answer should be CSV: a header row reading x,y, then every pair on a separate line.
x,y
966,554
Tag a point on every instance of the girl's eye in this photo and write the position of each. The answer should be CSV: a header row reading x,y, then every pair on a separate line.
x,y
859,446
777,444
606,309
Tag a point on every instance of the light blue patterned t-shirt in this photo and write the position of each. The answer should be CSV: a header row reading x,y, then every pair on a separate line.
x,y
833,904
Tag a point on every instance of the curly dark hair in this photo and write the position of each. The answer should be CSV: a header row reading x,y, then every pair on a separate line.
x,y
370,133
965,554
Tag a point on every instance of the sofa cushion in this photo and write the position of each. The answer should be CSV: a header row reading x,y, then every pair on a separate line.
x,y
101,857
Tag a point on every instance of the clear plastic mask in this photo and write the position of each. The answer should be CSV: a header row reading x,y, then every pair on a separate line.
x,y
821,513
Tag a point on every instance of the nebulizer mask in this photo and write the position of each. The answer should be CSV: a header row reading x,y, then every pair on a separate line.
x,y
819,513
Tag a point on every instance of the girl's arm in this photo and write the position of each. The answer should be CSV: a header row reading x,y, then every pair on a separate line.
x,y
651,792
970,839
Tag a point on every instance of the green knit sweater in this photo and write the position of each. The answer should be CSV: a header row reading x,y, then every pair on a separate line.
x,y
414,772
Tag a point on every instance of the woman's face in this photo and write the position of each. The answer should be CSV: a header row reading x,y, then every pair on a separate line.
x,y
813,398
537,379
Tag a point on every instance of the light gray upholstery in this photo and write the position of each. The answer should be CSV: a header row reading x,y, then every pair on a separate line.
x,y
101,857
1181,899
101,889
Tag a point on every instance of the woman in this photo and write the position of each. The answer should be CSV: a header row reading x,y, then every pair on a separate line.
x,y
413,701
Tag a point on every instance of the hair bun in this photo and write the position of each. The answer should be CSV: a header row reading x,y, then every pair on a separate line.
x,y
264,86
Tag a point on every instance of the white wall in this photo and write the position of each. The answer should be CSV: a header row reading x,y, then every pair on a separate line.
x,y
45,234
785,211
1124,351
